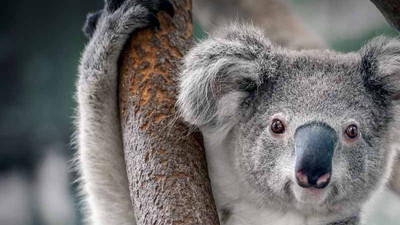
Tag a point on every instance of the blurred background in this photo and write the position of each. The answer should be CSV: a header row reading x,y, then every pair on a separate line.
x,y
40,46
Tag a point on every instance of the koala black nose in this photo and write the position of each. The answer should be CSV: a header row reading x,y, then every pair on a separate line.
x,y
307,180
315,145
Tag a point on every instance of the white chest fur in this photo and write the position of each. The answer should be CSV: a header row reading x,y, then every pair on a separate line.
x,y
247,214
233,197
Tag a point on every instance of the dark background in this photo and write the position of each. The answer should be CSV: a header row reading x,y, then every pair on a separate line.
x,y
40,42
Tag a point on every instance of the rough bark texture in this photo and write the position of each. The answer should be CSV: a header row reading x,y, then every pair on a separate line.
x,y
390,10
166,166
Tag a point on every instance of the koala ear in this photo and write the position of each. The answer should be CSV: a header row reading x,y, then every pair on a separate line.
x,y
380,66
220,73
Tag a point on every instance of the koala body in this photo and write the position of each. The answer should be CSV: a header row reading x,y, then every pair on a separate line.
x,y
291,137
236,85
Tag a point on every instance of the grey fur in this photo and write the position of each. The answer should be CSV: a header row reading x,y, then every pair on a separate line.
x,y
91,23
232,85
100,157
349,221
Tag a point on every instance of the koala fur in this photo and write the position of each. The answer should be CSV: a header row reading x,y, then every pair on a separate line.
x,y
235,82
231,86
100,157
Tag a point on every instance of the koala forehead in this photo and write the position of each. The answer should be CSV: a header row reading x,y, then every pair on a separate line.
x,y
317,85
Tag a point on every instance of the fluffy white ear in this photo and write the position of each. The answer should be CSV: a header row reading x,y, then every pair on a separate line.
x,y
220,72
380,66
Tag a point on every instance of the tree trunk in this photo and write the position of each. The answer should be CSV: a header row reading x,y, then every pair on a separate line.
x,y
390,10
166,165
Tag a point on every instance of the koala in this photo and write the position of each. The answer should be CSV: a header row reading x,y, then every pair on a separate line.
x,y
291,137
100,156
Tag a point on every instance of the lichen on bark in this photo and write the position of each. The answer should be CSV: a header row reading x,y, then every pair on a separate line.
x,y
165,163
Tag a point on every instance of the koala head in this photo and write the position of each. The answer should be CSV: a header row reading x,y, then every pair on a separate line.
x,y
308,129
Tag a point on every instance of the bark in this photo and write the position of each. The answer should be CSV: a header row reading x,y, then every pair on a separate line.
x,y
166,165
390,10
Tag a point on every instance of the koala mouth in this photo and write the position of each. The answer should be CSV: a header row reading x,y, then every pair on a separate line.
x,y
310,195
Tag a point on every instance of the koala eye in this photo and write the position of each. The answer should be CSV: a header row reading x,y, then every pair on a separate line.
x,y
277,126
351,131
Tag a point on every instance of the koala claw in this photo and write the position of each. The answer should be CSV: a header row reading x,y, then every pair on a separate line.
x,y
91,23
163,5
167,7
118,6
152,5
153,20
112,5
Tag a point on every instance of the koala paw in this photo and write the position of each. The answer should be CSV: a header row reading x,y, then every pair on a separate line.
x,y
124,16
152,5
91,22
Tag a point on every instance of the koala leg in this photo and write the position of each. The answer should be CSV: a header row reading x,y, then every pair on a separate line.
x,y
100,152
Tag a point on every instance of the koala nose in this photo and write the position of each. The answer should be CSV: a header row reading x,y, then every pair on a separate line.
x,y
307,180
315,145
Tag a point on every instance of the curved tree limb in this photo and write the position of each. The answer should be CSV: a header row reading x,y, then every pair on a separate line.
x,y
166,166
390,10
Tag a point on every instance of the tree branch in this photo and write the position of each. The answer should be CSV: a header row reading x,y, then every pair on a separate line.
x,y
390,10
166,166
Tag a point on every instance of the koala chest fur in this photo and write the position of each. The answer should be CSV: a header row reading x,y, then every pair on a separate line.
x,y
235,201
234,204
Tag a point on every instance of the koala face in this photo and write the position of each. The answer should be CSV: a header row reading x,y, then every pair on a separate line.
x,y
307,129
314,134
